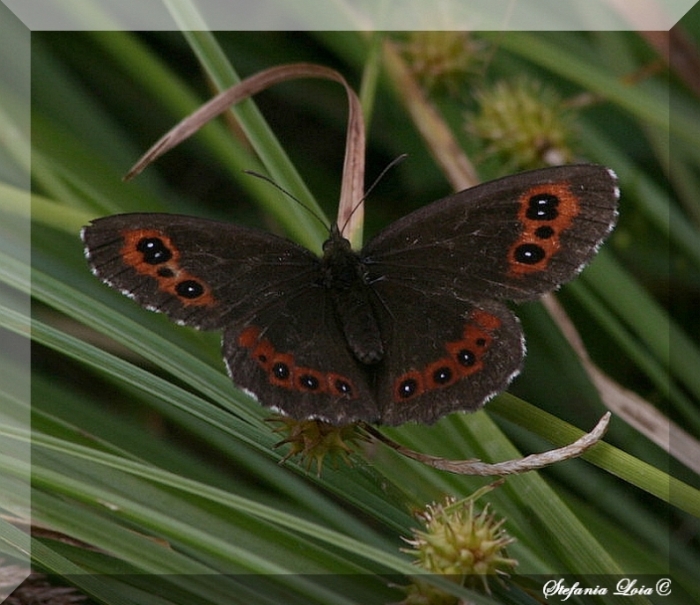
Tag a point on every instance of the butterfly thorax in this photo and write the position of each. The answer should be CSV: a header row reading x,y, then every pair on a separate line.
x,y
346,278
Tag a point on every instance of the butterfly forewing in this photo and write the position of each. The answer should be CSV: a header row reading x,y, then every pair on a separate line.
x,y
514,238
199,272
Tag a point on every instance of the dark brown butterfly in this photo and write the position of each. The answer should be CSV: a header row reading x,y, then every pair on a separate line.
x,y
410,328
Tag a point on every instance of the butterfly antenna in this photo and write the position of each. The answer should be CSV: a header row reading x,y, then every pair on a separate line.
x,y
371,188
311,211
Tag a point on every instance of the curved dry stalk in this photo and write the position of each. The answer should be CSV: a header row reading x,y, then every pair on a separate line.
x,y
350,210
516,466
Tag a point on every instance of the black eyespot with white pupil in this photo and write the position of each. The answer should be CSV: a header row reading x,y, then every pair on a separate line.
x,y
189,289
442,375
280,371
529,254
154,251
466,358
307,381
542,207
342,386
408,388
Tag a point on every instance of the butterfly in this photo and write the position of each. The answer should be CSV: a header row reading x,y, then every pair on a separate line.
x,y
411,327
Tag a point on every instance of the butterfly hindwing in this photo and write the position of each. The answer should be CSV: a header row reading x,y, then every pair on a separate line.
x,y
443,354
293,357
